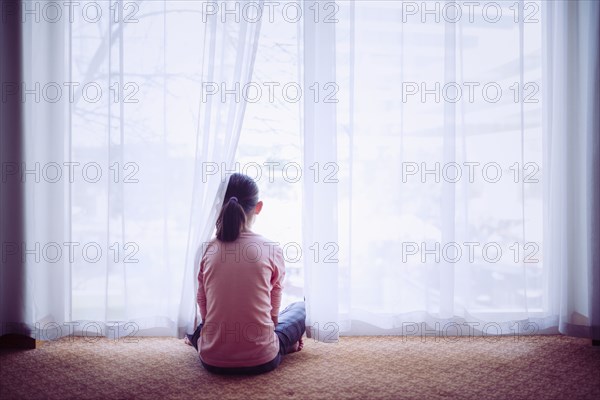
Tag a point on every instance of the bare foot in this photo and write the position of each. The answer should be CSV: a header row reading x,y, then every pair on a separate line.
x,y
299,345
187,341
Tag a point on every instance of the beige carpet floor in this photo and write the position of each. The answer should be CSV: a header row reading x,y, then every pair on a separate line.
x,y
540,367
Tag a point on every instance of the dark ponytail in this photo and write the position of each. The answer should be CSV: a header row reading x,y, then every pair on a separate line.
x,y
240,199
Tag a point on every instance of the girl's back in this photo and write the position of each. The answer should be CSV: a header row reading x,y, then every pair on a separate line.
x,y
240,285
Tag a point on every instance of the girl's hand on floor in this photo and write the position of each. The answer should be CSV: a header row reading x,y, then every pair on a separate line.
x,y
275,319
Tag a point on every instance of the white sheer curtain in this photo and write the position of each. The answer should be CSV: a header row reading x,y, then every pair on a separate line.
x,y
456,150
228,66
118,140
320,199
443,160
572,134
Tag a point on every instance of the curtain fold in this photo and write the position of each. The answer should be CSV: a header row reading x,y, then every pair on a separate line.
x,y
571,134
320,200
45,247
12,268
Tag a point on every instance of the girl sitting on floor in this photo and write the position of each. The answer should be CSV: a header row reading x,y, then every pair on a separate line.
x,y
239,293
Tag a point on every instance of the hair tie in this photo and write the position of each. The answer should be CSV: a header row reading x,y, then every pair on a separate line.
x,y
233,198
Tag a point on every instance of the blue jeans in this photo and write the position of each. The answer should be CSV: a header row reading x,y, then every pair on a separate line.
x,y
289,330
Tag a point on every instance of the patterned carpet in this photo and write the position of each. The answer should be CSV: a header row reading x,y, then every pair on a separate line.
x,y
548,367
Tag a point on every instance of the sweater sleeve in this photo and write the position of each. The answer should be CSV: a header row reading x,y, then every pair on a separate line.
x,y
201,295
277,277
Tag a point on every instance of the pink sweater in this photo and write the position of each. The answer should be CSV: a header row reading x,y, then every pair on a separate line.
x,y
239,289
